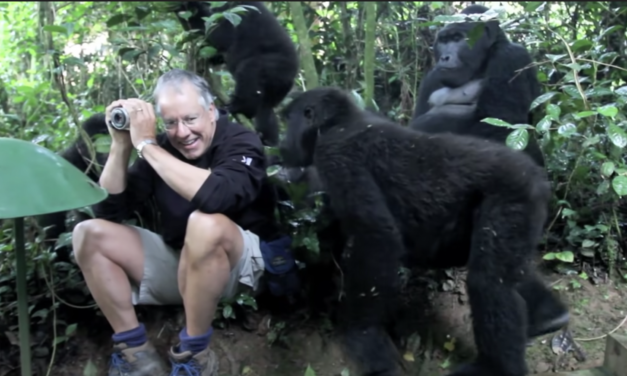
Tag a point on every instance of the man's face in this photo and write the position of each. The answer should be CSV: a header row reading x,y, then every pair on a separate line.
x,y
189,126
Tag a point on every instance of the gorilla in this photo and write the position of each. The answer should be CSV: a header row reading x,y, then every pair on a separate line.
x,y
471,84
78,152
54,224
78,155
410,198
259,54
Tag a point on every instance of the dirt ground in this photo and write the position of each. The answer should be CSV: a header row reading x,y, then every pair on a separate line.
x,y
596,309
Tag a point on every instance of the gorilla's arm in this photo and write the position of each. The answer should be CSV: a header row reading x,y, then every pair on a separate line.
x,y
465,94
512,107
375,244
455,112
372,262
430,83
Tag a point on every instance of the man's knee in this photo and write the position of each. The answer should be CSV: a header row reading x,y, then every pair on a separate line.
x,y
215,232
88,236
109,239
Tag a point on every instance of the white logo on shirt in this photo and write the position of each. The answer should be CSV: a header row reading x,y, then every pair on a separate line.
x,y
246,161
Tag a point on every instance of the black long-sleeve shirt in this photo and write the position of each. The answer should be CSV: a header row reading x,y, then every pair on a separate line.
x,y
237,187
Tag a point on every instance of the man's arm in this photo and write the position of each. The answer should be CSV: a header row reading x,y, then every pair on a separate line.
x,y
127,187
182,177
233,182
114,173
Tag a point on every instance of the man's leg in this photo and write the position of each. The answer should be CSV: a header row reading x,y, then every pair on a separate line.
x,y
113,258
217,255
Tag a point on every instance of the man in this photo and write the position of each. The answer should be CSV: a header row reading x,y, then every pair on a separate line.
x,y
208,178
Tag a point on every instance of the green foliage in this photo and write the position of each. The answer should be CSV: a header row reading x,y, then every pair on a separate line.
x,y
309,371
226,307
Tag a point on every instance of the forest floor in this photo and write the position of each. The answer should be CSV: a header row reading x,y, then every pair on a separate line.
x,y
442,338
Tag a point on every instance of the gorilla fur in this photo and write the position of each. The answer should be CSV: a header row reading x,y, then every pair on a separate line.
x,y
259,54
54,224
407,197
468,85
78,155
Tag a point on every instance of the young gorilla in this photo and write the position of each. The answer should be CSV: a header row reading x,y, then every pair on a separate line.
x,y
259,54
468,85
431,200
54,224
78,155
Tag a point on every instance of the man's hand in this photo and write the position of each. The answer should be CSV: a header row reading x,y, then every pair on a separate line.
x,y
142,120
121,139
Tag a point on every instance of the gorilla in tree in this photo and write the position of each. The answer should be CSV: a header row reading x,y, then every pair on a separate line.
x,y
445,200
468,85
259,54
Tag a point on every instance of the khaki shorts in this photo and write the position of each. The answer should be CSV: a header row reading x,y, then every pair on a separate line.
x,y
159,285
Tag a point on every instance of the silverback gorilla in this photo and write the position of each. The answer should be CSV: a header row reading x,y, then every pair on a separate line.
x,y
443,200
468,85
259,54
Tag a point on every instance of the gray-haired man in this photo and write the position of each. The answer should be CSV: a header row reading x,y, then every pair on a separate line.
x,y
217,207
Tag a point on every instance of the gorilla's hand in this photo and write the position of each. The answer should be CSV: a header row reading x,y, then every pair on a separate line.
x,y
465,94
438,98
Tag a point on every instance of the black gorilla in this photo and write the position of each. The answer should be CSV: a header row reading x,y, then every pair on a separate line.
x,y
468,85
259,54
78,155
444,200
54,224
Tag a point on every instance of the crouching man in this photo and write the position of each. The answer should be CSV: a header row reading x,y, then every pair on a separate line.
x,y
217,218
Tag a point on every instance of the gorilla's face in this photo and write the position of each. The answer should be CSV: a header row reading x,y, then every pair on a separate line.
x,y
297,148
309,116
456,61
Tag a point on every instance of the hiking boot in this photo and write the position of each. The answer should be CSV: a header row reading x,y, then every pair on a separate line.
x,y
204,363
136,361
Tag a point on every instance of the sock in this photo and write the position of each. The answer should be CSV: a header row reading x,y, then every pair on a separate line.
x,y
194,344
132,338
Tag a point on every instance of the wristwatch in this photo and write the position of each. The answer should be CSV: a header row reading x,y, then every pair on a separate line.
x,y
141,145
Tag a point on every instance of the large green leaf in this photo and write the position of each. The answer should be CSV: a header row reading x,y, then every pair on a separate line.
x,y
619,184
518,139
617,136
34,181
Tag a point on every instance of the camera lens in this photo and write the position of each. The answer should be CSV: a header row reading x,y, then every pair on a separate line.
x,y
120,119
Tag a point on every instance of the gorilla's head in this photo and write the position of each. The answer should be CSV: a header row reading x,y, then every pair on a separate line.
x,y
456,61
310,115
